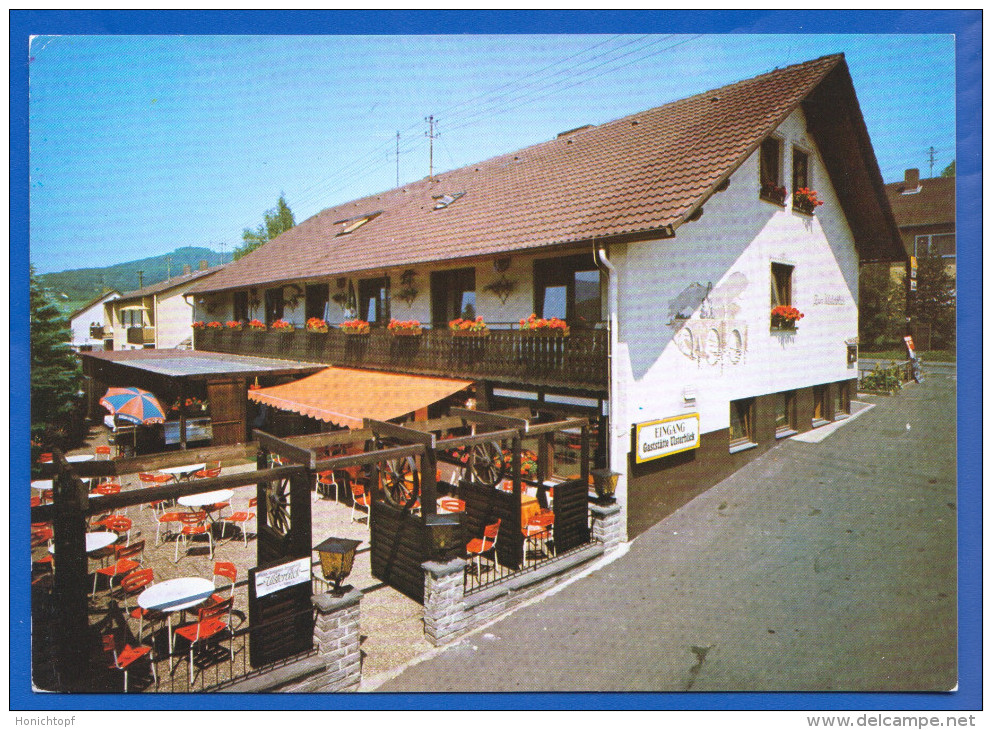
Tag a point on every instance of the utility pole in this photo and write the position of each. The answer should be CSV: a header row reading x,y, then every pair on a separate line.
x,y
931,161
168,267
397,158
141,278
430,134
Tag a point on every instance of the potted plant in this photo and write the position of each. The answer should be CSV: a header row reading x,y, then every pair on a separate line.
x,y
315,324
199,325
785,318
257,325
773,193
468,327
805,201
282,325
355,327
214,325
408,328
235,325
553,327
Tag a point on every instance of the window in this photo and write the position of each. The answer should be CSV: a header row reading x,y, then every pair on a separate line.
x,y
241,306
782,285
316,298
350,225
842,399
446,199
819,405
942,244
373,300
569,289
770,171
274,305
452,296
785,413
800,170
742,422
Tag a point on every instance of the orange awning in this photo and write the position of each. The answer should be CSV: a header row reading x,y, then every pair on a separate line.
x,y
345,396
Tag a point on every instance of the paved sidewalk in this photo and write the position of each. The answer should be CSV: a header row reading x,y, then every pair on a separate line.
x,y
820,566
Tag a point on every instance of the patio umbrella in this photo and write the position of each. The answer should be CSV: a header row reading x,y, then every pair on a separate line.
x,y
134,405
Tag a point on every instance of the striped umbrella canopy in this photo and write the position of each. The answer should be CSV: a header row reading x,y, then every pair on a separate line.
x,y
134,405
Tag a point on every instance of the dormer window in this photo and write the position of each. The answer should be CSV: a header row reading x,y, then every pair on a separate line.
x,y
443,201
353,224
770,171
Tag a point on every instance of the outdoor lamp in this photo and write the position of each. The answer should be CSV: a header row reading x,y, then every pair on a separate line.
x,y
443,535
337,555
605,483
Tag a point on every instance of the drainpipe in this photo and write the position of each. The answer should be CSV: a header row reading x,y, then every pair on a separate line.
x,y
612,306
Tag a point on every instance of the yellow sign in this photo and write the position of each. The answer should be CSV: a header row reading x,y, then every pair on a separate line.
x,y
668,436
912,267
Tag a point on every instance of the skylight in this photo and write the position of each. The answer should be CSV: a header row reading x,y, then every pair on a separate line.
x,y
443,201
353,224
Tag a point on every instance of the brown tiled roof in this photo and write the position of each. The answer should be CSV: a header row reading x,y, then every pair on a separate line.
x,y
170,283
644,172
932,205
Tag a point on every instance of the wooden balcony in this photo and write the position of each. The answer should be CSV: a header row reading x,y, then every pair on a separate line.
x,y
576,362
141,335
97,332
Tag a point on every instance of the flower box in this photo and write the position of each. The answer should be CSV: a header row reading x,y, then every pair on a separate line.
x,y
235,326
537,327
805,201
410,328
415,332
773,193
317,325
281,325
355,327
477,334
257,325
785,317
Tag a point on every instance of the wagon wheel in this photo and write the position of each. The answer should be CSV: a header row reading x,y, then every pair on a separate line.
x,y
486,464
277,505
395,473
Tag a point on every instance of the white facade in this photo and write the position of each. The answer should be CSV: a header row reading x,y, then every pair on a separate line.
x,y
91,315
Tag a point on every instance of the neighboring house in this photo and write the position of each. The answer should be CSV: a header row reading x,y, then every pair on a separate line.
x,y
924,212
664,239
157,316
87,322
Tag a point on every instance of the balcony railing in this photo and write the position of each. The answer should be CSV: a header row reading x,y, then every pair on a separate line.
x,y
96,332
140,335
503,355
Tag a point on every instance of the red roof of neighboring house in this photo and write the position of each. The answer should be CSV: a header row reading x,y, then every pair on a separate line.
x,y
932,205
643,174
171,283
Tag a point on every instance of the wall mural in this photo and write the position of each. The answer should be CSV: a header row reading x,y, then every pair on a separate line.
x,y
717,337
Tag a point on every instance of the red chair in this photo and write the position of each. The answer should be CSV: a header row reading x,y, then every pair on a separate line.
x,y
48,495
45,458
230,572
194,523
102,452
479,546
359,498
107,488
211,626
210,471
41,536
127,656
148,479
538,529
124,564
326,479
168,519
241,519
119,524
452,504
35,501
131,585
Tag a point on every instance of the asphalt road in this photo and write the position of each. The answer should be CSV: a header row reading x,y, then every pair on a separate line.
x,y
820,566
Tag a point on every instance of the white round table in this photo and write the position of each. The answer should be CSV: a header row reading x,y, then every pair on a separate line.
x,y
78,458
183,472
206,498
176,594
41,484
94,541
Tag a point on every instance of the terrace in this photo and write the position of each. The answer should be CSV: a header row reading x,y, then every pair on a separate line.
x,y
478,459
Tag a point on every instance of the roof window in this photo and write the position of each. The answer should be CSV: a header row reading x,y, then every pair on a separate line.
x,y
353,224
443,201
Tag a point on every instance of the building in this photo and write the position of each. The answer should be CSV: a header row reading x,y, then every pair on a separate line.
x,y
664,239
924,213
87,322
156,316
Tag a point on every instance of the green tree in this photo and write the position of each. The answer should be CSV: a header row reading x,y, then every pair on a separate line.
x,y
949,171
56,376
934,306
881,307
277,220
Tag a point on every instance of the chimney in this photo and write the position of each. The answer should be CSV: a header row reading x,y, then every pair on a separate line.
x,y
186,269
912,179
203,264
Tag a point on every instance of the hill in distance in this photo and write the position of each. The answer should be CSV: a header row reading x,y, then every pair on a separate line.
x,y
77,286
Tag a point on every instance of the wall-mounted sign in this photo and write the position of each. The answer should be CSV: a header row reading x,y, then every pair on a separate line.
x,y
912,267
282,576
668,436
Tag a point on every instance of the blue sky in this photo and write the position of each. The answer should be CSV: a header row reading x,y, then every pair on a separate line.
x,y
141,144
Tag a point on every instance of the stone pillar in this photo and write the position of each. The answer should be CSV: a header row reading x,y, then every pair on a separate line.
x,y
336,633
607,524
444,600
